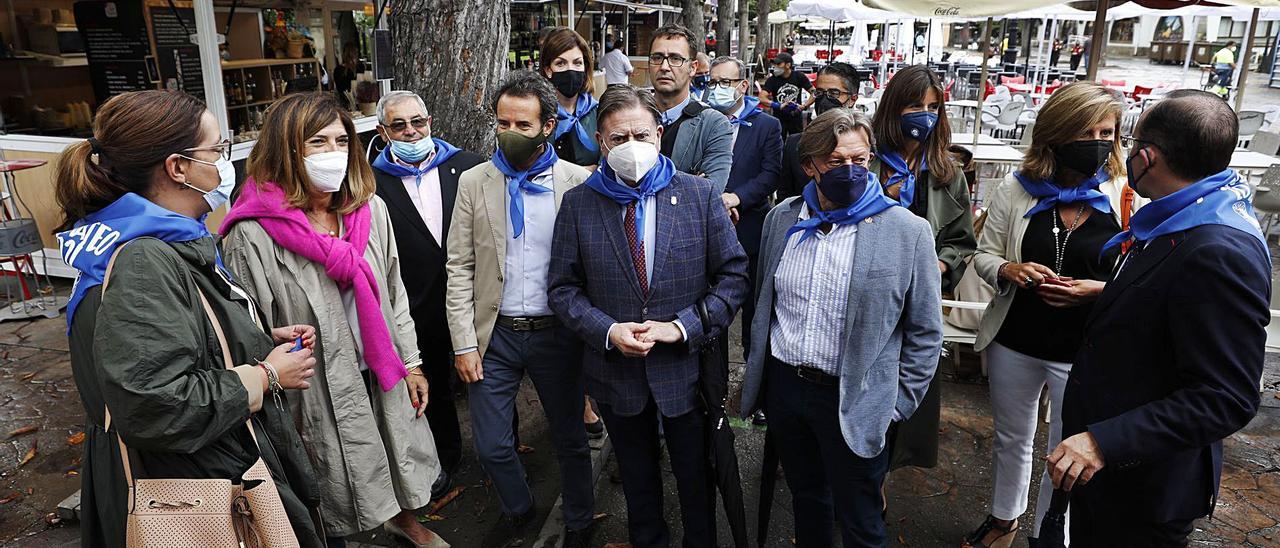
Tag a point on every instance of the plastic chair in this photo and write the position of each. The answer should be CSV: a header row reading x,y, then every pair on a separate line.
x,y
1250,122
1266,142
1114,83
1003,125
1140,91
1266,198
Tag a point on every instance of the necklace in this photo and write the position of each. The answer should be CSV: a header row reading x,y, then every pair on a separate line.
x,y
1060,249
334,231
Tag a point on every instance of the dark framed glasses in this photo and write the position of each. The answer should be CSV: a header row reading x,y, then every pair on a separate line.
x,y
725,83
832,93
399,126
675,60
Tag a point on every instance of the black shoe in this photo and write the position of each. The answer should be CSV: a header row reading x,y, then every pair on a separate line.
x,y
442,485
758,418
595,430
578,539
510,530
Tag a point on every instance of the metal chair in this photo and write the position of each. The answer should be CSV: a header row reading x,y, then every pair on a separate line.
x,y
1266,198
1266,142
1250,122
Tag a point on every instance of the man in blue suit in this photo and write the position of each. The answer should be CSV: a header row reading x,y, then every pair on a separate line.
x,y
638,251
1173,351
757,159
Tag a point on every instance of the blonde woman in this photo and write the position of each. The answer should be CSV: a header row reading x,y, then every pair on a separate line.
x,y
308,239
1041,249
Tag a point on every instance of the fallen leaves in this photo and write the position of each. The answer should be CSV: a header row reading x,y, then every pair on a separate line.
x,y
28,429
29,376
76,439
31,455
434,510
11,497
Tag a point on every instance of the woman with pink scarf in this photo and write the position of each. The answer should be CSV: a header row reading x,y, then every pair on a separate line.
x,y
307,238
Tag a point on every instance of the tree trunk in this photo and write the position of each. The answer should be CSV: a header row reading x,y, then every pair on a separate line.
x,y
454,55
744,30
691,12
724,27
763,7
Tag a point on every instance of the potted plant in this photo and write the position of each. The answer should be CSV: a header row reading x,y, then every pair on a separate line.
x,y
294,47
367,94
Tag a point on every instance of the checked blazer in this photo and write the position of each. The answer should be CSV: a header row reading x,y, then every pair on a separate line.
x,y
593,284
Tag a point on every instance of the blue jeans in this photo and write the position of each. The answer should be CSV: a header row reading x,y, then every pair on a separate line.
x,y
828,481
552,358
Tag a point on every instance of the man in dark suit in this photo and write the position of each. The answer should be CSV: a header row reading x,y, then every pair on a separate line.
x,y
757,153
638,250
1173,351
417,177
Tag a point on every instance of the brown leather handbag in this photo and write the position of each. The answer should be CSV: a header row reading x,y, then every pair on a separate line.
x,y
214,513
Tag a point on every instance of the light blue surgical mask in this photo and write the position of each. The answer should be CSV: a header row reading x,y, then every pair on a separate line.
x,y
722,98
413,152
220,194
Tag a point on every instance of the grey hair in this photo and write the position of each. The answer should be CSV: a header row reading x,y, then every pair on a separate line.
x,y
742,67
823,133
527,83
395,97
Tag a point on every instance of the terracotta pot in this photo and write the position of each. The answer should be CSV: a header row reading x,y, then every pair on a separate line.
x,y
368,109
295,49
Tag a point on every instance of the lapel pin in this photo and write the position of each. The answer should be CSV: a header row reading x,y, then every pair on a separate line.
x,y
453,171
674,201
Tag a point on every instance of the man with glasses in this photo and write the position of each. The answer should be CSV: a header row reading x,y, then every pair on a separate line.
x,y
698,139
757,150
835,87
417,177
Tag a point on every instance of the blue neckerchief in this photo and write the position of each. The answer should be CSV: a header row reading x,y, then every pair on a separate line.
x,y
519,180
750,108
1219,199
902,173
89,245
566,121
386,164
697,92
606,182
871,202
1051,194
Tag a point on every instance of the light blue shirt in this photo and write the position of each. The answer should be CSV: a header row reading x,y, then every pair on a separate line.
x,y
673,114
524,291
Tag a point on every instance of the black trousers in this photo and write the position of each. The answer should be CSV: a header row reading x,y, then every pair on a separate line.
x,y
442,413
1103,518
829,482
636,445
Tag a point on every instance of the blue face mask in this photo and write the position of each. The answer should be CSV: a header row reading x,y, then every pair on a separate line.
x,y
413,152
722,98
918,125
220,194
844,184
700,81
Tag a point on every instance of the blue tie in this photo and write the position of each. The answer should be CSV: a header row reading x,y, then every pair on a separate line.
x,y
514,186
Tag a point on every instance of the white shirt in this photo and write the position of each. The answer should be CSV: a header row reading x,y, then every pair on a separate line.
x,y
811,294
524,291
424,192
616,66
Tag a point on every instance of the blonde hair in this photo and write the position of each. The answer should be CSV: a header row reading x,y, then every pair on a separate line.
x,y
1070,111
278,155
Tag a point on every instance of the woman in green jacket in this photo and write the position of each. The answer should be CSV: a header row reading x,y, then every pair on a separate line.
x,y
137,193
912,138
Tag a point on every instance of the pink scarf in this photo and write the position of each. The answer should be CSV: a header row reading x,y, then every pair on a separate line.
x,y
343,260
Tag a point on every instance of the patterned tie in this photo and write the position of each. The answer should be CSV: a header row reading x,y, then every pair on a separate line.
x,y
637,248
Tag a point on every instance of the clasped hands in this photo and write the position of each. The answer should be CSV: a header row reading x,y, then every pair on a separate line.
x,y
635,340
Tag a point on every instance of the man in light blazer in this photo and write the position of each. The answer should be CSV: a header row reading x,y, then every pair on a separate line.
x,y
502,326
847,332
639,250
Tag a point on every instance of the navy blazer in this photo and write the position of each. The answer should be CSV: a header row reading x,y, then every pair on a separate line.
x,y
422,258
1169,366
593,284
757,160
791,178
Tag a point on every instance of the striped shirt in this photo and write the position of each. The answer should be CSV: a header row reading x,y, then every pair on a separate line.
x,y
811,290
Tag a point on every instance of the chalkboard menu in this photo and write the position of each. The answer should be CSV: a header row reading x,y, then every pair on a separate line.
x,y
383,60
177,57
116,46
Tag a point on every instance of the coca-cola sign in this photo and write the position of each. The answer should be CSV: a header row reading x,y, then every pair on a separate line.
x,y
953,11
19,237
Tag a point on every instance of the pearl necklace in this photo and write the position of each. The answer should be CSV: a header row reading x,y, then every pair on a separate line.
x,y
1060,249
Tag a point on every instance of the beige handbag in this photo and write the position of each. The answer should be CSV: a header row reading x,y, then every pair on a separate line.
x,y
214,513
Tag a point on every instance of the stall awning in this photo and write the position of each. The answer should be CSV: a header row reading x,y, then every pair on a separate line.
x,y
839,10
640,6
1037,9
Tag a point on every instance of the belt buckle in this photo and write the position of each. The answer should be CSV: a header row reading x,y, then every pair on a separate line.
x,y
522,324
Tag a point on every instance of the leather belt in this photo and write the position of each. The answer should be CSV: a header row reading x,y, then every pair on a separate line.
x,y
809,374
534,323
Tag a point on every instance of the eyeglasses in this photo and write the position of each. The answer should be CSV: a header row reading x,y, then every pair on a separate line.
x,y
675,60
1128,141
725,83
832,93
399,126
223,148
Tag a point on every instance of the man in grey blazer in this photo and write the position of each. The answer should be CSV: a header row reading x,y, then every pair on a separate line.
x,y
847,332
697,138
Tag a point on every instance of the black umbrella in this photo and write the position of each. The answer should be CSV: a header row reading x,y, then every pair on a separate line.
x,y
768,480
714,388
1054,526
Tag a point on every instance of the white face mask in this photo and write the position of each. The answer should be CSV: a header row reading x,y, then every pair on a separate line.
x,y
633,159
220,194
327,170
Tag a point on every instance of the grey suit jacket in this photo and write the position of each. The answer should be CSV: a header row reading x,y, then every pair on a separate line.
x,y
893,322
477,247
705,145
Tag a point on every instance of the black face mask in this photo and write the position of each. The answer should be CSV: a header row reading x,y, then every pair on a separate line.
x,y
825,103
1083,157
569,82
